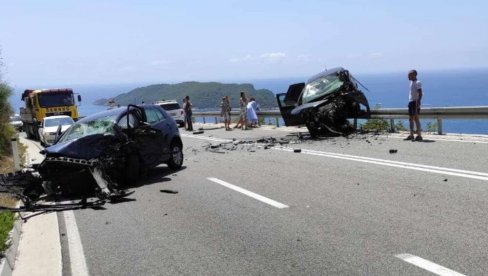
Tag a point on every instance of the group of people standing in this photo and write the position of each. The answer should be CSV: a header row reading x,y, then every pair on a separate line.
x,y
248,112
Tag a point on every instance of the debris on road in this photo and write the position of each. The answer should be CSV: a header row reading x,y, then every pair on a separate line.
x,y
169,191
393,151
198,132
297,150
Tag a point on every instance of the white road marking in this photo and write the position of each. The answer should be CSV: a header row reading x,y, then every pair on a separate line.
x,y
428,265
249,193
411,166
397,164
76,254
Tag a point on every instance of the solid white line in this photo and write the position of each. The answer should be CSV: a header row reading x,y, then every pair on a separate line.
x,y
403,165
249,193
428,265
76,254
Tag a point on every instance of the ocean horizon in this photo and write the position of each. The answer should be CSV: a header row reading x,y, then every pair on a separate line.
x,y
448,88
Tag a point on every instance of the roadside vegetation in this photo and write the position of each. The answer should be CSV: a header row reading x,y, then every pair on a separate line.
x,y
6,162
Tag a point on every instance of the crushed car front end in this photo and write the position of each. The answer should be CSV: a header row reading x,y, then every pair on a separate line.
x,y
325,103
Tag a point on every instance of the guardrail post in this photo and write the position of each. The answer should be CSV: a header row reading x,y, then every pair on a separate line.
x,y
439,125
392,125
277,122
15,153
204,121
216,122
355,123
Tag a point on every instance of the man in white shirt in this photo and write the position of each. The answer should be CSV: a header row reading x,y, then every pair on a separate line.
x,y
415,96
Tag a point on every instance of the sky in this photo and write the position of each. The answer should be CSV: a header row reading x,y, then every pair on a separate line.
x,y
144,41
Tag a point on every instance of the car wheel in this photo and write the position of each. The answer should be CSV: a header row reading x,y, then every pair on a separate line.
x,y
181,124
176,160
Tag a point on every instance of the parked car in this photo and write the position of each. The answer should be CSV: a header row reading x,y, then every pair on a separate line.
x,y
16,122
109,149
174,110
52,127
324,103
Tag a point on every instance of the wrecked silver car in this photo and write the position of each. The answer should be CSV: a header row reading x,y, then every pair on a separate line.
x,y
103,154
324,103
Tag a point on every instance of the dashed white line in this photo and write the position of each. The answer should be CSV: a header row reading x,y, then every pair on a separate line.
x,y
75,248
249,193
428,265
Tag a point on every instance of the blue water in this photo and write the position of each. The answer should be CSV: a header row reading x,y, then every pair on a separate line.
x,y
441,88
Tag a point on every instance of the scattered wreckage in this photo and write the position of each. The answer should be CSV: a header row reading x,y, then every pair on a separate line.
x,y
100,155
324,103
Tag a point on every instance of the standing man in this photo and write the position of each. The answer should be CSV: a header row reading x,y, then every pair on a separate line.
x,y
415,97
188,113
225,111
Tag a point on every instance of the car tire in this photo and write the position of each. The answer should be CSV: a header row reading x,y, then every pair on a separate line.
x,y
176,159
181,124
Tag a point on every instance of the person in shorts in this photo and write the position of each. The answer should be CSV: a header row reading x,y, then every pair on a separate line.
x,y
243,112
225,111
414,100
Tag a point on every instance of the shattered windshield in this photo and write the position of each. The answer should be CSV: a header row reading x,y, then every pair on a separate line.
x,y
102,125
321,87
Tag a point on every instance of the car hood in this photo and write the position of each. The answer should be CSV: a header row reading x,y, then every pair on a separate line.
x,y
87,147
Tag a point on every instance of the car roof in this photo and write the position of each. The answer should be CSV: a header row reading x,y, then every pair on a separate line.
x,y
119,111
101,114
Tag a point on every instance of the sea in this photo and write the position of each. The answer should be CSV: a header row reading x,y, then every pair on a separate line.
x,y
447,88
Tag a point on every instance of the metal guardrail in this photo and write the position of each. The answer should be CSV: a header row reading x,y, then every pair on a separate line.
x,y
438,113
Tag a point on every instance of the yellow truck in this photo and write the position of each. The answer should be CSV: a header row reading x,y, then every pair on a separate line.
x,y
43,103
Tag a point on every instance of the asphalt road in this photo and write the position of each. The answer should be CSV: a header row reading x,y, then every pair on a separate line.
x,y
341,206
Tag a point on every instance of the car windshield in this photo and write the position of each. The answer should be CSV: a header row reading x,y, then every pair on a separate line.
x,y
101,125
58,121
320,87
14,118
56,99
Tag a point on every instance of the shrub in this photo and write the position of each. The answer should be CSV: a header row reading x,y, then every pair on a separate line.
x,y
376,125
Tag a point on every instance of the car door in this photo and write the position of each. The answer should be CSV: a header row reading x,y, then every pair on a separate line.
x,y
287,102
168,128
160,129
134,123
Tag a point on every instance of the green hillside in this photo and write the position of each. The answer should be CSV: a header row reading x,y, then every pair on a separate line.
x,y
203,95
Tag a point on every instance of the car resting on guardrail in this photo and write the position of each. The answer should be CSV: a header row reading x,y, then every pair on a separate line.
x,y
324,103
101,154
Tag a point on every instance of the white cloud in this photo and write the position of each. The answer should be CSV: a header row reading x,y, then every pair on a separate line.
x,y
241,59
273,57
